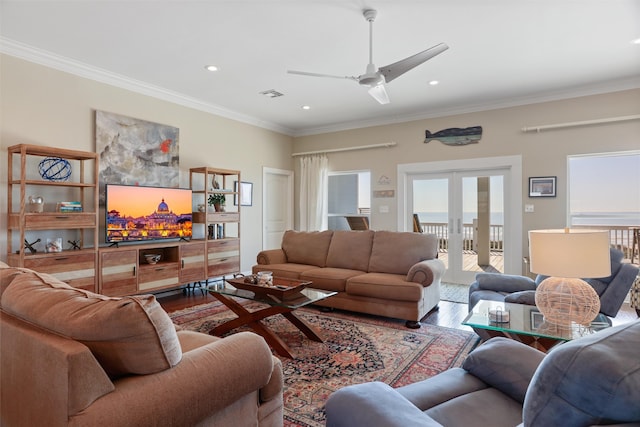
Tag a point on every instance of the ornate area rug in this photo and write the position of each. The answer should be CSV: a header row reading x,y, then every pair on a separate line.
x,y
357,348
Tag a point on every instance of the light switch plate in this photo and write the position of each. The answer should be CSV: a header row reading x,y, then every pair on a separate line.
x,y
528,208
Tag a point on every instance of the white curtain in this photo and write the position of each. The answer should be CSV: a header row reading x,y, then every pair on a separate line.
x,y
313,192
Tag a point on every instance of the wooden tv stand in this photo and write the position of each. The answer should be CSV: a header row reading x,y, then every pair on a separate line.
x,y
124,270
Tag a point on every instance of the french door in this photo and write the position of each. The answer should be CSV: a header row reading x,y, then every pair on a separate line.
x,y
473,211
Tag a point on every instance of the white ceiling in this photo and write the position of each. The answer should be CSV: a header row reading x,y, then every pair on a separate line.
x,y
502,53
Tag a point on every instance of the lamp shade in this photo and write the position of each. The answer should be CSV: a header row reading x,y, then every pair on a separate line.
x,y
570,253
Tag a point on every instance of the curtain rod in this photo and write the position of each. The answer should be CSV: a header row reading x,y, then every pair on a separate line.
x,y
335,150
583,123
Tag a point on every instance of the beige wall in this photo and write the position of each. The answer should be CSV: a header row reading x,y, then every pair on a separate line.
x,y
43,106
543,154
39,105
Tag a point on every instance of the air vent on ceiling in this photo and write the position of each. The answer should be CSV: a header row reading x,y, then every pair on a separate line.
x,y
271,93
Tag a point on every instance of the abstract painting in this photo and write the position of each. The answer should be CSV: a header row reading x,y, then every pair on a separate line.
x,y
136,152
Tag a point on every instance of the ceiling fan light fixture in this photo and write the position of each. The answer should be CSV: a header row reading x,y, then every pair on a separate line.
x,y
379,93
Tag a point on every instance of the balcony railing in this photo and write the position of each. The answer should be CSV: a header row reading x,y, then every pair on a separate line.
x,y
441,230
620,237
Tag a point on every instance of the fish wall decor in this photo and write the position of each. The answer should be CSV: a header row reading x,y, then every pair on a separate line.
x,y
455,136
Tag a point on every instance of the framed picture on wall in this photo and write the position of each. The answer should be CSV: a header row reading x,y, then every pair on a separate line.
x,y
542,186
537,319
246,193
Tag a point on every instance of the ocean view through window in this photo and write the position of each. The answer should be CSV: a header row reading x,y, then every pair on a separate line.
x,y
604,193
604,189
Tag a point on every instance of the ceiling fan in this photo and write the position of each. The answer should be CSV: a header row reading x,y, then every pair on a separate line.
x,y
376,79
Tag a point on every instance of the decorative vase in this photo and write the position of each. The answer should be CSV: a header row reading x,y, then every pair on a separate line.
x,y
218,207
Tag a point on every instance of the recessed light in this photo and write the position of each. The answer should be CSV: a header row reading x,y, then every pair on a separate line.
x,y
306,107
636,41
211,68
433,82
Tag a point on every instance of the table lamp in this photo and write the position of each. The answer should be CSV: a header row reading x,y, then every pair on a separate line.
x,y
566,256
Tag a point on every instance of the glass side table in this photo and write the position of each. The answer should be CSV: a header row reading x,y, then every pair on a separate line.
x,y
527,325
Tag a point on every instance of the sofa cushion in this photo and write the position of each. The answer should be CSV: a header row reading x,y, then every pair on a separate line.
x,y
511,375
591,380
522,297
329,279
505,282
350,249
384,286
486,407
129,335
396,252
288,270
304,247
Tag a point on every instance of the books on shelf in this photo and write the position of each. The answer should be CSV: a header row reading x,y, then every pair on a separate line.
x,y
69,207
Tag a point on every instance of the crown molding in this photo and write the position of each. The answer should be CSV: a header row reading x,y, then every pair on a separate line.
x,y
596,89
29,53
48,59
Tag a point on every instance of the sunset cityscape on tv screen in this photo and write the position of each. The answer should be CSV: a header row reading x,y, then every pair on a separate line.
x,y
136,213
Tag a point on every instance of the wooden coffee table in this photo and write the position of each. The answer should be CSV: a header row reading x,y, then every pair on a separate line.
x,y
226,294
526,324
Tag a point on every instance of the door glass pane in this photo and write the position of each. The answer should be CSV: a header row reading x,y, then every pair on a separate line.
x,y
431,203
483,223
470,221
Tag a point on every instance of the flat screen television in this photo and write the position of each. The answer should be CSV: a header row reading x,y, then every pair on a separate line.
x,y
137,214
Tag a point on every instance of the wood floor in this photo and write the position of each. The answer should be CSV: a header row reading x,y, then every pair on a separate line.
x,y
470,261
448,314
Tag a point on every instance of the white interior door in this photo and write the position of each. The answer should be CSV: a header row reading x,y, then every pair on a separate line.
x,y
277,206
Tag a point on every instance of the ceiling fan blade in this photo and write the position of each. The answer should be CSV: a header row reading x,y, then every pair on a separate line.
x,y
397,69
379,93
304,73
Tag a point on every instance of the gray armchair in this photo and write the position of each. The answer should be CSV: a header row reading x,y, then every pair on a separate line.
x,y
612,290
594,380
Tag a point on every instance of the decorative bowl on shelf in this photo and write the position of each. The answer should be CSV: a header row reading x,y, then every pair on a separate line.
x,y
152,258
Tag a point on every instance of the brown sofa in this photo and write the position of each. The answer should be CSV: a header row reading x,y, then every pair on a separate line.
x,y
392,274
71,357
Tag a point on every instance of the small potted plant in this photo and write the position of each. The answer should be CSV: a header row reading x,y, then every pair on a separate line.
x,y
217,201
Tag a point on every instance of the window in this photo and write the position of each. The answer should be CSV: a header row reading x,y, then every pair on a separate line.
x,y
604,190
349,194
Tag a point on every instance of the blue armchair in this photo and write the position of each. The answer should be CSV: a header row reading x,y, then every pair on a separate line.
x,y
594,380
612,290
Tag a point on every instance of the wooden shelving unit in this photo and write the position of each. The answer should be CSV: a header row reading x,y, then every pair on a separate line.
x,y
220,229
74,266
